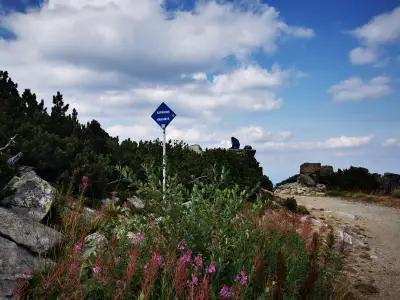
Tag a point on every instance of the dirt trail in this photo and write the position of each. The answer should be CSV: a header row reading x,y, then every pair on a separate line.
x,y
373,262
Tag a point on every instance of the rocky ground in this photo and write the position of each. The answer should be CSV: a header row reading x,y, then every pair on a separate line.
x,y
371,233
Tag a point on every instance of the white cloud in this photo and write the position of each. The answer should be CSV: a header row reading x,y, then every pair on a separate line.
x,y
362,55
391,142
256,135
355,89
116,60
379,32
345,142
139,39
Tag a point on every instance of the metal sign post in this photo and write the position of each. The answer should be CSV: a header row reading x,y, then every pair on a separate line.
x,y
163,116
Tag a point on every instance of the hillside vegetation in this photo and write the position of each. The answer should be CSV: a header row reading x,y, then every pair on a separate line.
x,y
203,240
61,149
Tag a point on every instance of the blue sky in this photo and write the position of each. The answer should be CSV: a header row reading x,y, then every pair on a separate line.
x,y
298,80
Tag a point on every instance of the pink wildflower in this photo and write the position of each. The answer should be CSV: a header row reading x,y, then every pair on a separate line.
x,y
198,261
241,278
96,269
226,292
195,280
73,268
186,257
137,238
78,247
159,260
212,268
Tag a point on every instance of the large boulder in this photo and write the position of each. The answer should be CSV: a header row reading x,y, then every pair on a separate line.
x,y
135,203
28,233
306,180
196,148
29,195
16,263
311,169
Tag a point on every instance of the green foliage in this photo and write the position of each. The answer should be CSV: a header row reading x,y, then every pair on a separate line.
x,y
60,148
396,193
353,179
211,222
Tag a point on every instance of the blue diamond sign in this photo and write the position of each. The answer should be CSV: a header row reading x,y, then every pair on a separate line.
x,y
163,115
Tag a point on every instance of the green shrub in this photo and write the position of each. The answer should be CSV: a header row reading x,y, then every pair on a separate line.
x,y
396,193
353,179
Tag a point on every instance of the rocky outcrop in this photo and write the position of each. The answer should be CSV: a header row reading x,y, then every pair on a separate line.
x,y
23,239
30,195
196,148
135,203
16,263
306,180
27,233
316,172
298,189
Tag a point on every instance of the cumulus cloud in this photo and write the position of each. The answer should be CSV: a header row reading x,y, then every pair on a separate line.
x,y
379,32
257,135
156,43
345,142
116,60
355,89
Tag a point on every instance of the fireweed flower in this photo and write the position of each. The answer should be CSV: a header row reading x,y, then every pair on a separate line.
x,y
198,261
241,278
186,257
195,280
73,268
97,269
135,237
78,247
159,260
226,292
212,268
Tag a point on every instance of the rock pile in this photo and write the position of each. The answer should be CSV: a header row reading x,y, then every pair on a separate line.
x,y
299,189
24,240
313,173
309,181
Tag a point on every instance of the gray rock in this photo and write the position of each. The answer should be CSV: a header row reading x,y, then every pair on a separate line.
x,y
135,203
16,263
30,195
196,148
28,233
326,171
311,169
306,180
92,243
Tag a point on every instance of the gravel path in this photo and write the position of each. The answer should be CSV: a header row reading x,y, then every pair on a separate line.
x,y
373,264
